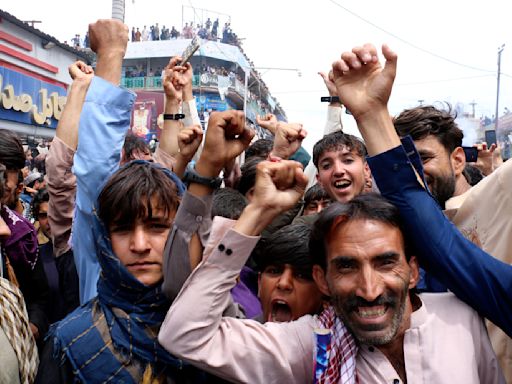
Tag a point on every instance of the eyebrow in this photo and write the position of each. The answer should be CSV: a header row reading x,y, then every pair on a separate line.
x,y
338,260
426,152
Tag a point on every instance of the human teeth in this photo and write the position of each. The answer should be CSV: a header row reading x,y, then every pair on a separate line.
x,y
371,312
341,184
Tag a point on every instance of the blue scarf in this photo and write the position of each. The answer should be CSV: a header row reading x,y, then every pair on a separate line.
x,y
113,337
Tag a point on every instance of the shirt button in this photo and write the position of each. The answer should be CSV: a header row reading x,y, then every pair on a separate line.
x,y
221,247
199,219
229,251
395,167
371,349
396,381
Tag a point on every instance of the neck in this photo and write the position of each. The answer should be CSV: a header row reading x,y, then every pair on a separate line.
x,y
394,352
461,185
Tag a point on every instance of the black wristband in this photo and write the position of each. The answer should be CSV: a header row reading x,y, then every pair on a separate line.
x,y
330,99
176,116
191,176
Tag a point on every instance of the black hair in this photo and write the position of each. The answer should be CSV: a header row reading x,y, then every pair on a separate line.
x,y
369,206
337,140
131,144
425,120
12,155
228,202
315,193
260,148
127,195
248,178
472,174
288,245
42,196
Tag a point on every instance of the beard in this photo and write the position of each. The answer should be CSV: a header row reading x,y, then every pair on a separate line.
x,y
345,306
442,187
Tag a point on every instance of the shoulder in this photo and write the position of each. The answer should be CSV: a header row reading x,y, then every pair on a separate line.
x,y
447,308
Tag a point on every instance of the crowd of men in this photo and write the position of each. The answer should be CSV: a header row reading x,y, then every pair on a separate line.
x,y
207,31
371,261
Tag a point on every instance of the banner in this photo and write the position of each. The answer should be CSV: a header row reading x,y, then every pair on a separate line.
x,y
30,100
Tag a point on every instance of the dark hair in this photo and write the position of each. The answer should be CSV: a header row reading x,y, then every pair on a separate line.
x,y
228,202
288,245
315,193
369,206
472,174
12,155
131,144
425,120
248,177
260,148
42,196
335,141
127,195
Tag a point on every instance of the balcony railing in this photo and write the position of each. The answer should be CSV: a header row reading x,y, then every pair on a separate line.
x,y
205,80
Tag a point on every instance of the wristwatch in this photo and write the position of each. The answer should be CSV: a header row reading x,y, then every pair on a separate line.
x,y
191,176
174,116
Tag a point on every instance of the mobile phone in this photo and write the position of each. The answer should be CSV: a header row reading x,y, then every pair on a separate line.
x,y
189,51
471,154
490,137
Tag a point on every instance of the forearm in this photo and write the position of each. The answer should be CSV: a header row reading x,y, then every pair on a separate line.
x,y
333,123
193,216
62,189
378,131
67,129
109,67
171,130
103,125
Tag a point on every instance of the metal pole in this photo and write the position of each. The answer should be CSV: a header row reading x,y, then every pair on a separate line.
x,y
118,10
500,49
247,72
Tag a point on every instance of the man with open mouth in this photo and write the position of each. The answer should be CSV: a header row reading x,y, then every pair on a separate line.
x,y
286,287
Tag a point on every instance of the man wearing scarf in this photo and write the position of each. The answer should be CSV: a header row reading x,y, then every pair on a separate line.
x,y
21,264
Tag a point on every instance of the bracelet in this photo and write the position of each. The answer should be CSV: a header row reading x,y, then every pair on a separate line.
x,y
176,116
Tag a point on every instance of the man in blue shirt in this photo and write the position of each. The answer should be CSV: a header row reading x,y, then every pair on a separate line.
x,y
474,276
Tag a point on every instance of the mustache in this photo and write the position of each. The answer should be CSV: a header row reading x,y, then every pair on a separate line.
x,y
353,302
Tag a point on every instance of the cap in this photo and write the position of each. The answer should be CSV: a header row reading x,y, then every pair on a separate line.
x,y
31,178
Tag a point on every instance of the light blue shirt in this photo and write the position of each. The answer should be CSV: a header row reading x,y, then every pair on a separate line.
x,y
104,121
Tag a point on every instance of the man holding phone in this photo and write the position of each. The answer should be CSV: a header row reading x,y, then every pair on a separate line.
x,y
482,213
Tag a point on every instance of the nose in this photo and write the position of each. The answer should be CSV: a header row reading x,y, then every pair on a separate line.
x,y
285,281
339,168
139,240
370,285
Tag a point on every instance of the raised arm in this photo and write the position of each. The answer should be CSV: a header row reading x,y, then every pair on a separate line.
x,y
60,180
240,350
474,276
103,125
193,215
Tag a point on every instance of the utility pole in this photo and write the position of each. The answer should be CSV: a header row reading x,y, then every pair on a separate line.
x,y
500,49
473,103
118,10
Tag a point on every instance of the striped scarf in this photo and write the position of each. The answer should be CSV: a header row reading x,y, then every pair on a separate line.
x,y
14,323
341,351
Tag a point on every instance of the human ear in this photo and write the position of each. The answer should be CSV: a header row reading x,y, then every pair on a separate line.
x,y
415,272
320,280
458,160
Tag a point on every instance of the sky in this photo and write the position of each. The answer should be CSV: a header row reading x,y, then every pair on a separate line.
x,y
447,50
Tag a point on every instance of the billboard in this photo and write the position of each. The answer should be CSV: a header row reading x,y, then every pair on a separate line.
x,y
30,98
